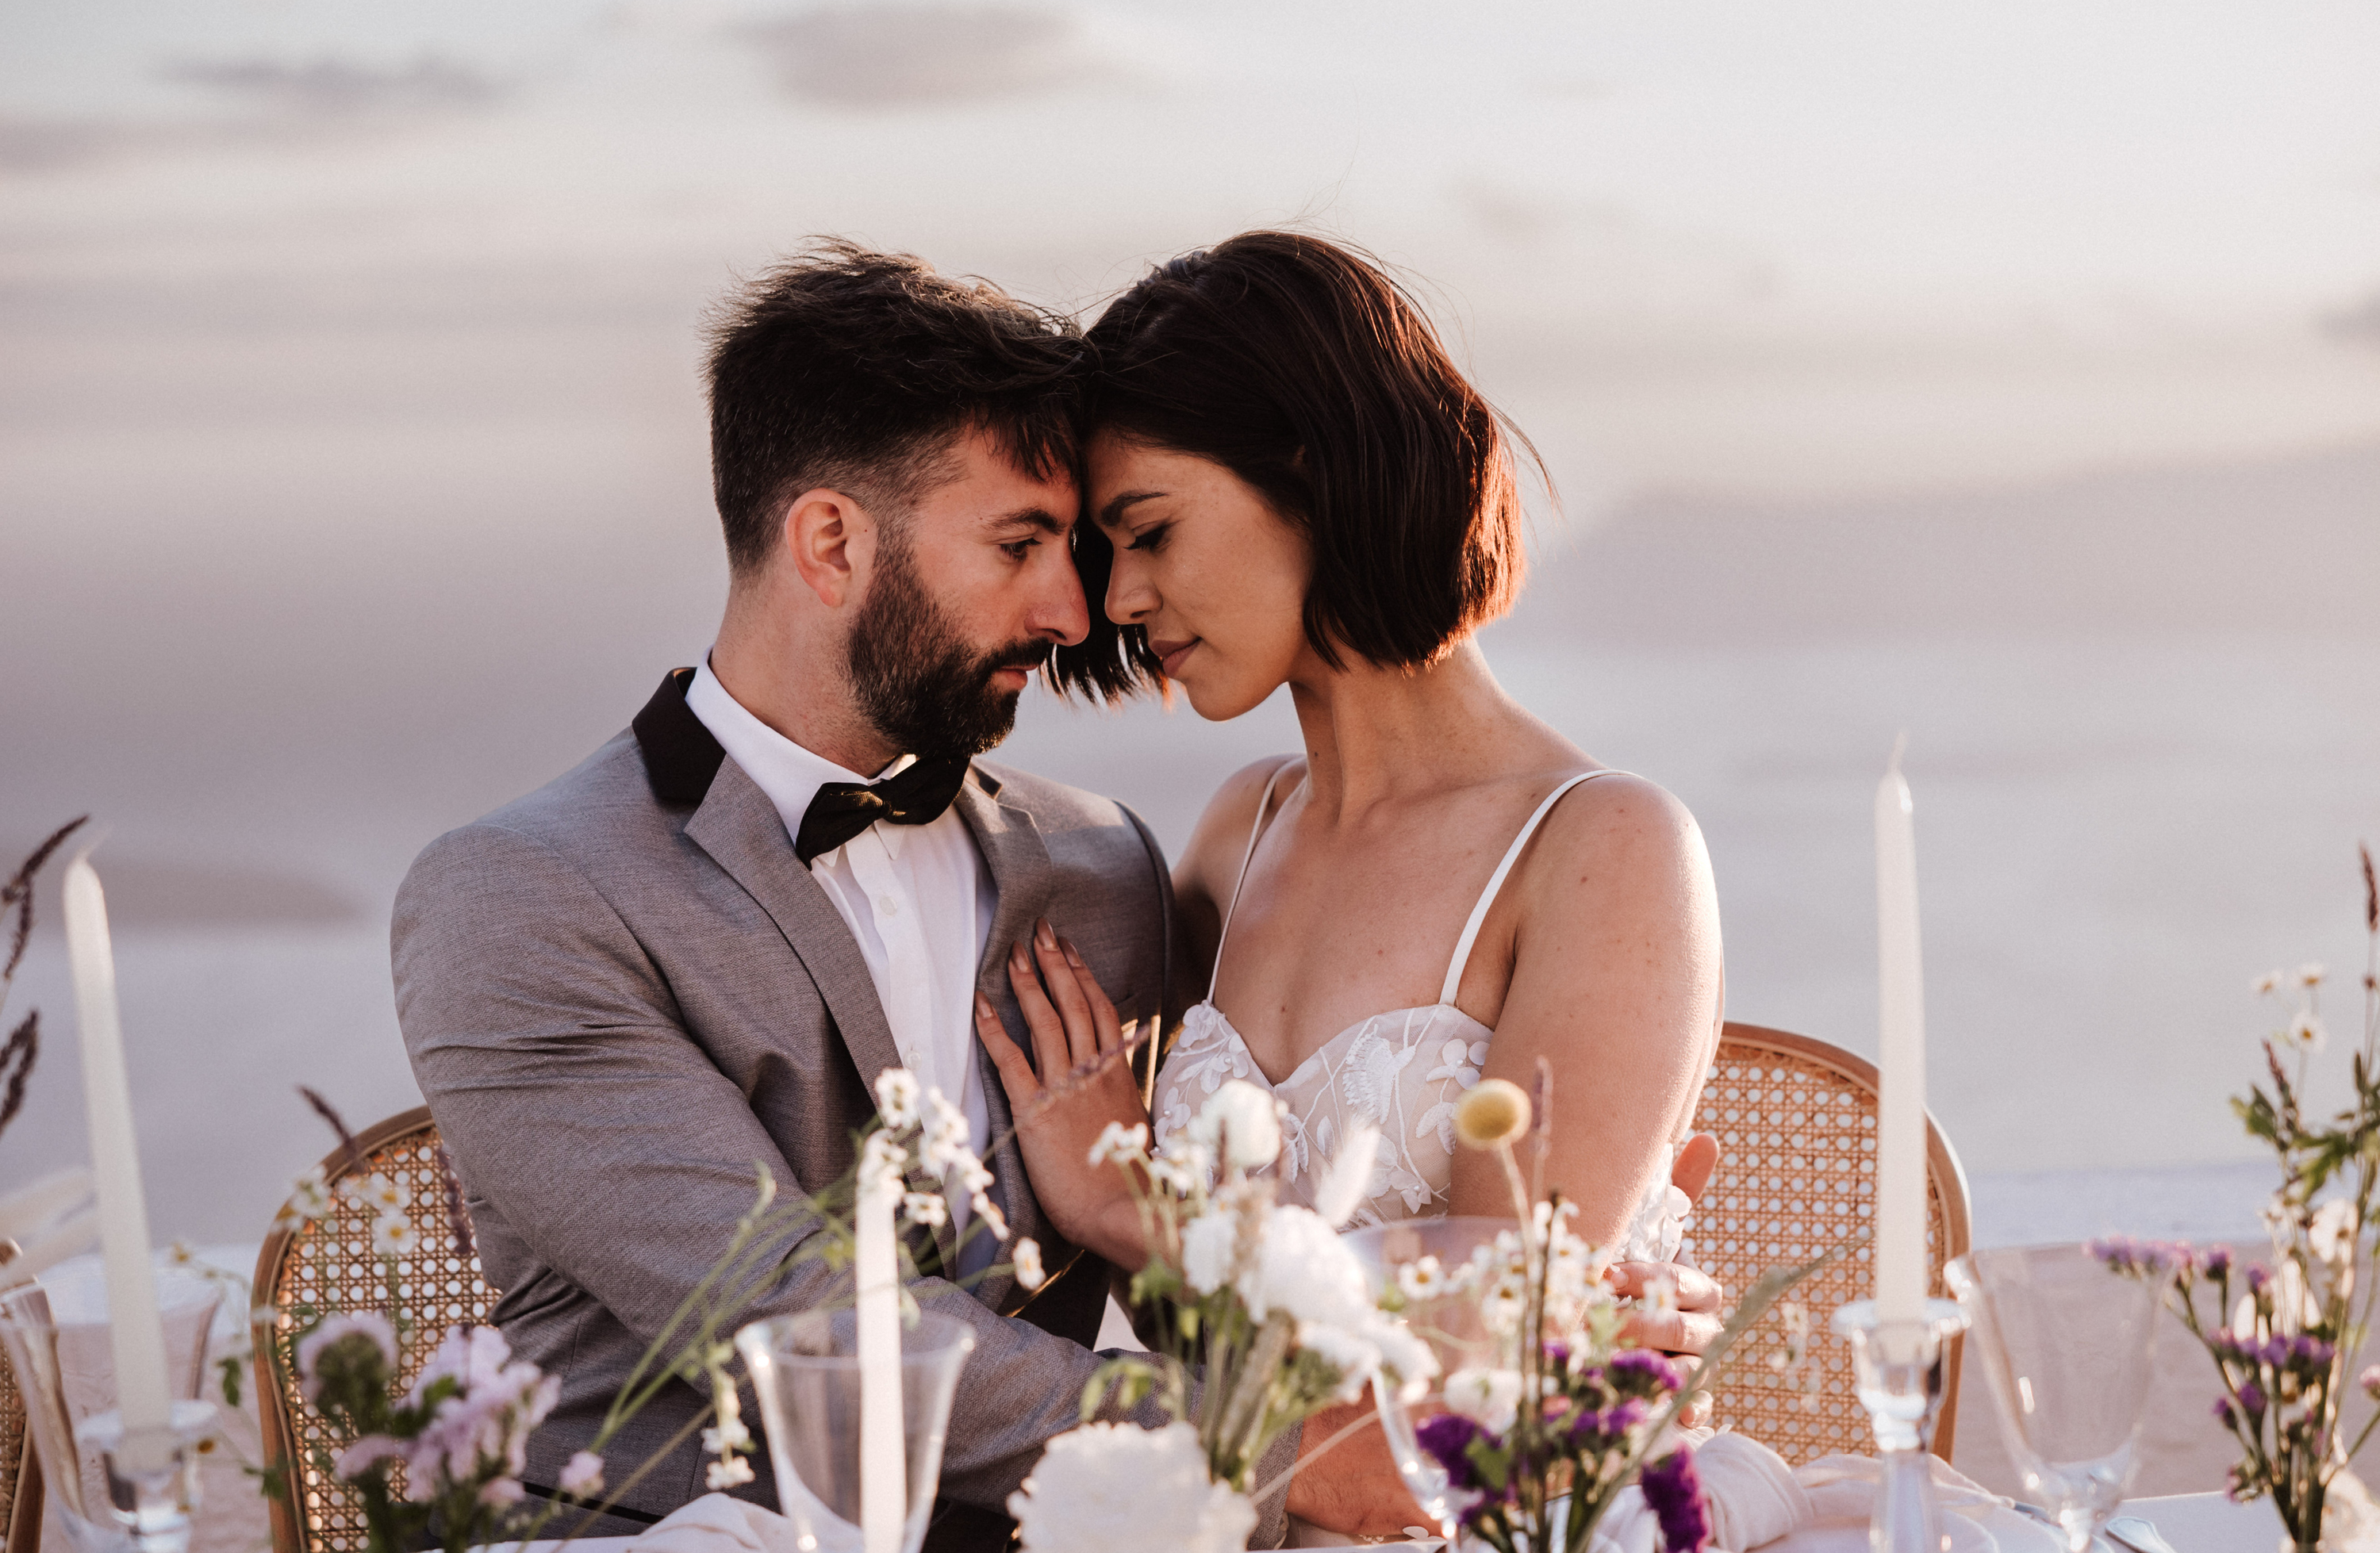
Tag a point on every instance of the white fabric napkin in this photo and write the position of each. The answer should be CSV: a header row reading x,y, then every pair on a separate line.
x,y
720,1523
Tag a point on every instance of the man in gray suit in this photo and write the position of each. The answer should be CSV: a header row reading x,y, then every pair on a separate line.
x,y
700,947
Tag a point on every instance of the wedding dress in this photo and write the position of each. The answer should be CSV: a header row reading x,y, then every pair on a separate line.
x,y
1400,1071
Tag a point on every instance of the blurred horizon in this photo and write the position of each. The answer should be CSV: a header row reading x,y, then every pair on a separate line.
x,y
2006,374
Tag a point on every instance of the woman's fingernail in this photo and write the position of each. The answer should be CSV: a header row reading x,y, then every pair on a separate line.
x,y
1042,934
982,1006
1017,957
1074,955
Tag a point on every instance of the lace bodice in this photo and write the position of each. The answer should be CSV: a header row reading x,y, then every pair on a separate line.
x,y
1401,1072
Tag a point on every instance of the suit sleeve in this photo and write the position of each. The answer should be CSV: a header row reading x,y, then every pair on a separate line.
x,y
613,1150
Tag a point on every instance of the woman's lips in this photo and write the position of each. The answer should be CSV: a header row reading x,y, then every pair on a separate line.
x,y
1170,655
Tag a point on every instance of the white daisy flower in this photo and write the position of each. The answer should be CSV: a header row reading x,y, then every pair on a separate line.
x,y
896,1099
393,1235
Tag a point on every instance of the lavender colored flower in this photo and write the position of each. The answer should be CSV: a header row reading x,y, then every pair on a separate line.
x,y
2252,1400
1640,1372
2369,1380
2223,1412
1674,1490
1447,1436
2215,1261
1592,1429
2258,1276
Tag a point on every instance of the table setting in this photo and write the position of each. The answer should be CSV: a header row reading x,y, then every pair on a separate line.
x,y
1493,1352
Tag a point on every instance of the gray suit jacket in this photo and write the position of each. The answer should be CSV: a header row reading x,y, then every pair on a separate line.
x,y
622,990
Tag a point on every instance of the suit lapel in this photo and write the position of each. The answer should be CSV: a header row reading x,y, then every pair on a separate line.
x,y
1021,873
744,834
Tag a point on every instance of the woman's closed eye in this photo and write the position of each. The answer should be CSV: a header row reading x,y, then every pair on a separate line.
x,y
1149,539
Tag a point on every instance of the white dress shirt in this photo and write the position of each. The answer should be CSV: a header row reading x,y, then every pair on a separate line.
x,y
918,898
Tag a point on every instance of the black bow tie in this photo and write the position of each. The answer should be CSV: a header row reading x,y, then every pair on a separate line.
x,y
917,795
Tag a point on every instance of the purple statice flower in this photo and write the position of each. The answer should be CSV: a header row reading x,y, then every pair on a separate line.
x,y
2215,1262
1447,1436
1592,1431
1640,1372
2369,1380
2258,1276
2311,1354
2122,1254
1674,1490
2251,1398
2223,1414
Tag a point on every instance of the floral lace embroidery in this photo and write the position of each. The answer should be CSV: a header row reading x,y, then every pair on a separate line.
x,y
1401,1072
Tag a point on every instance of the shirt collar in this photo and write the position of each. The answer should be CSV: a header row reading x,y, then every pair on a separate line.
x,y
788,773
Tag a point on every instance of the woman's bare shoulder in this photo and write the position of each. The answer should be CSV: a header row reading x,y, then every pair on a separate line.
x,y
1221,834
1621,831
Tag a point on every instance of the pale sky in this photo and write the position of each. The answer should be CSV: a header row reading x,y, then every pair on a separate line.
x,y
1808,247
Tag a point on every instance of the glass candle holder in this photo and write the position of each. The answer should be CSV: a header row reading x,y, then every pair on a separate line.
x,y
112,1492
1897,1372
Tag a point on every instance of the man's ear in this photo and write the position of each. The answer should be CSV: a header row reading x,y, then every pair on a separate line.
x,y
831,541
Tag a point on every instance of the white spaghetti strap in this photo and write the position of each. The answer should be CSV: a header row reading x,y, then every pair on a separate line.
x,y
1496,883
1256,833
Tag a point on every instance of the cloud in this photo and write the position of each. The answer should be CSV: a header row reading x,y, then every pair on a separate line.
x,y
272,104
335,89
2357,324
903,55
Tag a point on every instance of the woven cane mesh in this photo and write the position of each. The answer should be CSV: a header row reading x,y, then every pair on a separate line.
x,y
12,1443
331,1265
1796,1178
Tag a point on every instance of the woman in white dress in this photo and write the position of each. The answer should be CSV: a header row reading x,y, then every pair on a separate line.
x,y
1289,482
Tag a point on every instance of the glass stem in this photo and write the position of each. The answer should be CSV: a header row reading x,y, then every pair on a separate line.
x,y
1905,1521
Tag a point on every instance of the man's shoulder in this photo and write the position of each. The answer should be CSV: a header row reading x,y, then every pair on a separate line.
x,y
599,807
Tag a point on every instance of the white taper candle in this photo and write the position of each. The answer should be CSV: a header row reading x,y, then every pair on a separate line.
x,y
883,1458
134,1335
1900,1102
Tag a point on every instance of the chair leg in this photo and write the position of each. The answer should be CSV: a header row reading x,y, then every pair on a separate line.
x,y
24,1513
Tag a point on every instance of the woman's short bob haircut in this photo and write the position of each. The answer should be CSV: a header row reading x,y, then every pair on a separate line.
x,y
1309,373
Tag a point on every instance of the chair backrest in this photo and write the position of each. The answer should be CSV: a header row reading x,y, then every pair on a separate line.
x,y
1795,1119
20,1470
330,1264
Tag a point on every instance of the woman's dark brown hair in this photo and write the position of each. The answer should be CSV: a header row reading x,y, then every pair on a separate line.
x,y
1309,373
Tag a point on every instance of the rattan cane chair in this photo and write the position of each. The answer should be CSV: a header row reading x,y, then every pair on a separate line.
x,y
20,1470
1796,1123
330,1263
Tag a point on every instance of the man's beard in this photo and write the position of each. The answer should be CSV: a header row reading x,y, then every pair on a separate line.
x,y
926,691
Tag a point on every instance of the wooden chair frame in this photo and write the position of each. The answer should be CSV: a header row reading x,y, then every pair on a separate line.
x,y
20,1470
1777,1198
444,1273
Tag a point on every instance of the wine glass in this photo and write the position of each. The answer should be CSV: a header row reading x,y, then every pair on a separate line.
x,y
2065,1347
1454,1330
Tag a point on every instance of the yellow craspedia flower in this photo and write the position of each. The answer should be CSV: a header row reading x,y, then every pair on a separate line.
x,y
1491,1115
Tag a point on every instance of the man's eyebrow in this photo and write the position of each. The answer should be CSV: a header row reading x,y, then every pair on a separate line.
x,y
1112,514
1032,517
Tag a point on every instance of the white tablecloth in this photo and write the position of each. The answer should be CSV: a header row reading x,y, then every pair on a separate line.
x,y
2193,1523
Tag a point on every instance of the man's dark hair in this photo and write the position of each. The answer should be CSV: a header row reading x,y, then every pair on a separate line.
x,y
1309,373
852,371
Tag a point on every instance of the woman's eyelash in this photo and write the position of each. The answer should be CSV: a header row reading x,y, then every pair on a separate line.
x,y
1149,538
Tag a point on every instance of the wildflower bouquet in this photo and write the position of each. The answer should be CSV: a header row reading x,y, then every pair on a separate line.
x,y
2283,1335
1539,1438
1261,1300
441,1460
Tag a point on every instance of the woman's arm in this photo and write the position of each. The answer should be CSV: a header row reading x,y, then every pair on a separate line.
x,y
1615,981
